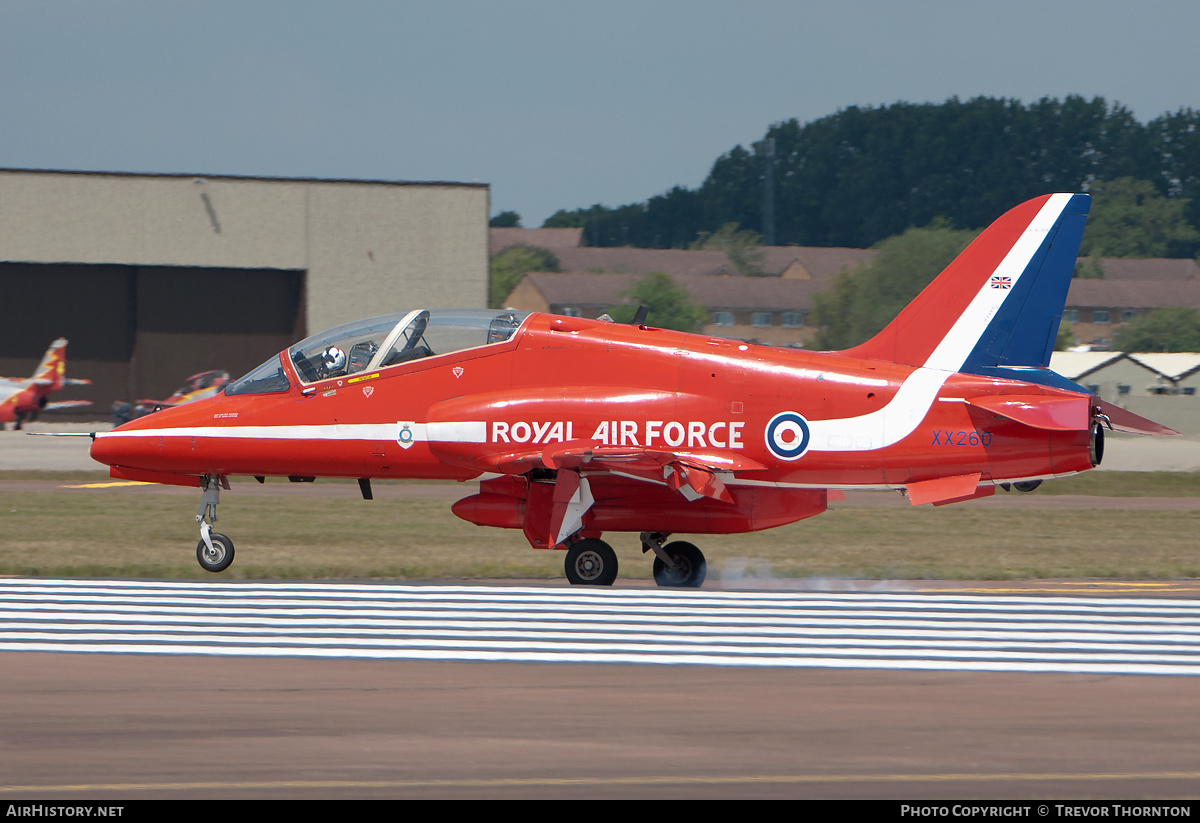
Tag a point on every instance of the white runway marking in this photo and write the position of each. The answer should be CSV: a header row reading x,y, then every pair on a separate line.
x,y
863,631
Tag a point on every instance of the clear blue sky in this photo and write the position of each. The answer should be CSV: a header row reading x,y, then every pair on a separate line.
x,y
555,103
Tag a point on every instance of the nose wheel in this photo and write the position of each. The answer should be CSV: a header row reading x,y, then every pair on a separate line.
x,y
217,554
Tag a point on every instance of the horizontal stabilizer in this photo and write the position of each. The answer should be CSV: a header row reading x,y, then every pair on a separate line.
x,y
66,404
1123,420
1038,411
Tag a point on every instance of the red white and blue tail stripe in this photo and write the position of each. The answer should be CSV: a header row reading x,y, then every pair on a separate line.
x,y
994,310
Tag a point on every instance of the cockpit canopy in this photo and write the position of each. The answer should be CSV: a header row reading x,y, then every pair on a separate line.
x,y
382,342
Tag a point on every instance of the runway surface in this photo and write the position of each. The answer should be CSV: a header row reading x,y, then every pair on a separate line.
x,y
646,626
118,689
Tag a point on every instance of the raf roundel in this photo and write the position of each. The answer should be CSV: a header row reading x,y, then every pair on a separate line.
x,y
405,436
787,435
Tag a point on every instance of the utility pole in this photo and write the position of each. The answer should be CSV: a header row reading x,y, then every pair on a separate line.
x,y
769,204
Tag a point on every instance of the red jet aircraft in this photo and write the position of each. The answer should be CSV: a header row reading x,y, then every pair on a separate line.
x,y
578,427
21,400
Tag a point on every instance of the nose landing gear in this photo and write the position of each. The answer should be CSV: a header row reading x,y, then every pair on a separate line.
x,y
214,552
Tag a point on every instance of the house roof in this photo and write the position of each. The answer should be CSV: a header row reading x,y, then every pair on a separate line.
x,y
1133,294
1076,364
500,239
1169,364
820,262
578,288
1157,268
713,293
624,260
750,293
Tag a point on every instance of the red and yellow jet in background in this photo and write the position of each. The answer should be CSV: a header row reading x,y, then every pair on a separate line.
x,y
22,399
579,427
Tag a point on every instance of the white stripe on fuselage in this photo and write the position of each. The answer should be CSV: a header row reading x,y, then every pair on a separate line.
x,y
882,427
467,431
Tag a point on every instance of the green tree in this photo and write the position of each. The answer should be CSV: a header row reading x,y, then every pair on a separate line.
x,y
1065,338
506,220
864,174
670,306
1173,328
1176,139
510,265
743,248
863,301
1092,268
1130,218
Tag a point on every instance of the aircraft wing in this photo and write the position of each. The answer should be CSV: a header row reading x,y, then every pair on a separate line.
x,y
66,404
8,389
693,474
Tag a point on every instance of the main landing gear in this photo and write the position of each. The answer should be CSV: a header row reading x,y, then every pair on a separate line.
x,y
214,551
592,562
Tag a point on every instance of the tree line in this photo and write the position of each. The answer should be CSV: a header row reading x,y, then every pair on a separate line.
x,y
864,174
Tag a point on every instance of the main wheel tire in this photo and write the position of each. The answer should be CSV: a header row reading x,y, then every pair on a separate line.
x,y
690,566
219,558
591,562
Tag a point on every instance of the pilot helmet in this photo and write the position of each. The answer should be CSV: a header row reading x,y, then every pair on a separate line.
x,y
334,359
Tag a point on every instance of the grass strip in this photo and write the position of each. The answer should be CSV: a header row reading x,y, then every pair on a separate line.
x,y
125,532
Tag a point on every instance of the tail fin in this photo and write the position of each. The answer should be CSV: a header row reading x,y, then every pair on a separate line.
x,y
52,370
998,304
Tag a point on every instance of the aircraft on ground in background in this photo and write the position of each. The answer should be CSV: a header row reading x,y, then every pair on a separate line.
x,y
578,427
22,399
198,386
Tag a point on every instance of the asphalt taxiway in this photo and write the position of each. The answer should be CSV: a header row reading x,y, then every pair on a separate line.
x,y
120,727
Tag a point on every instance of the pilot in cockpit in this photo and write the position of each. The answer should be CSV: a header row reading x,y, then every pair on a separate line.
x,y
333,362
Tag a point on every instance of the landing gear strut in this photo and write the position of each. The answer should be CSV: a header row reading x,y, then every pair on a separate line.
x,y
214,551
676,565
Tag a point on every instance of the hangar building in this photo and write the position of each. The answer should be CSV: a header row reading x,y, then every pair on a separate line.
x,y
154,277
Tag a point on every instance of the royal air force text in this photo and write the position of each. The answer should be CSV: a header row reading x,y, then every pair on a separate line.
x,y
693,434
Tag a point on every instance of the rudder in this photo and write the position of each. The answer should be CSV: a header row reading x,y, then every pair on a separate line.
x,y
998,304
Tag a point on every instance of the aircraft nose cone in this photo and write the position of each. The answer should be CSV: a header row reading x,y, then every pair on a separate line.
x,y
171,440
108,450
122,449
